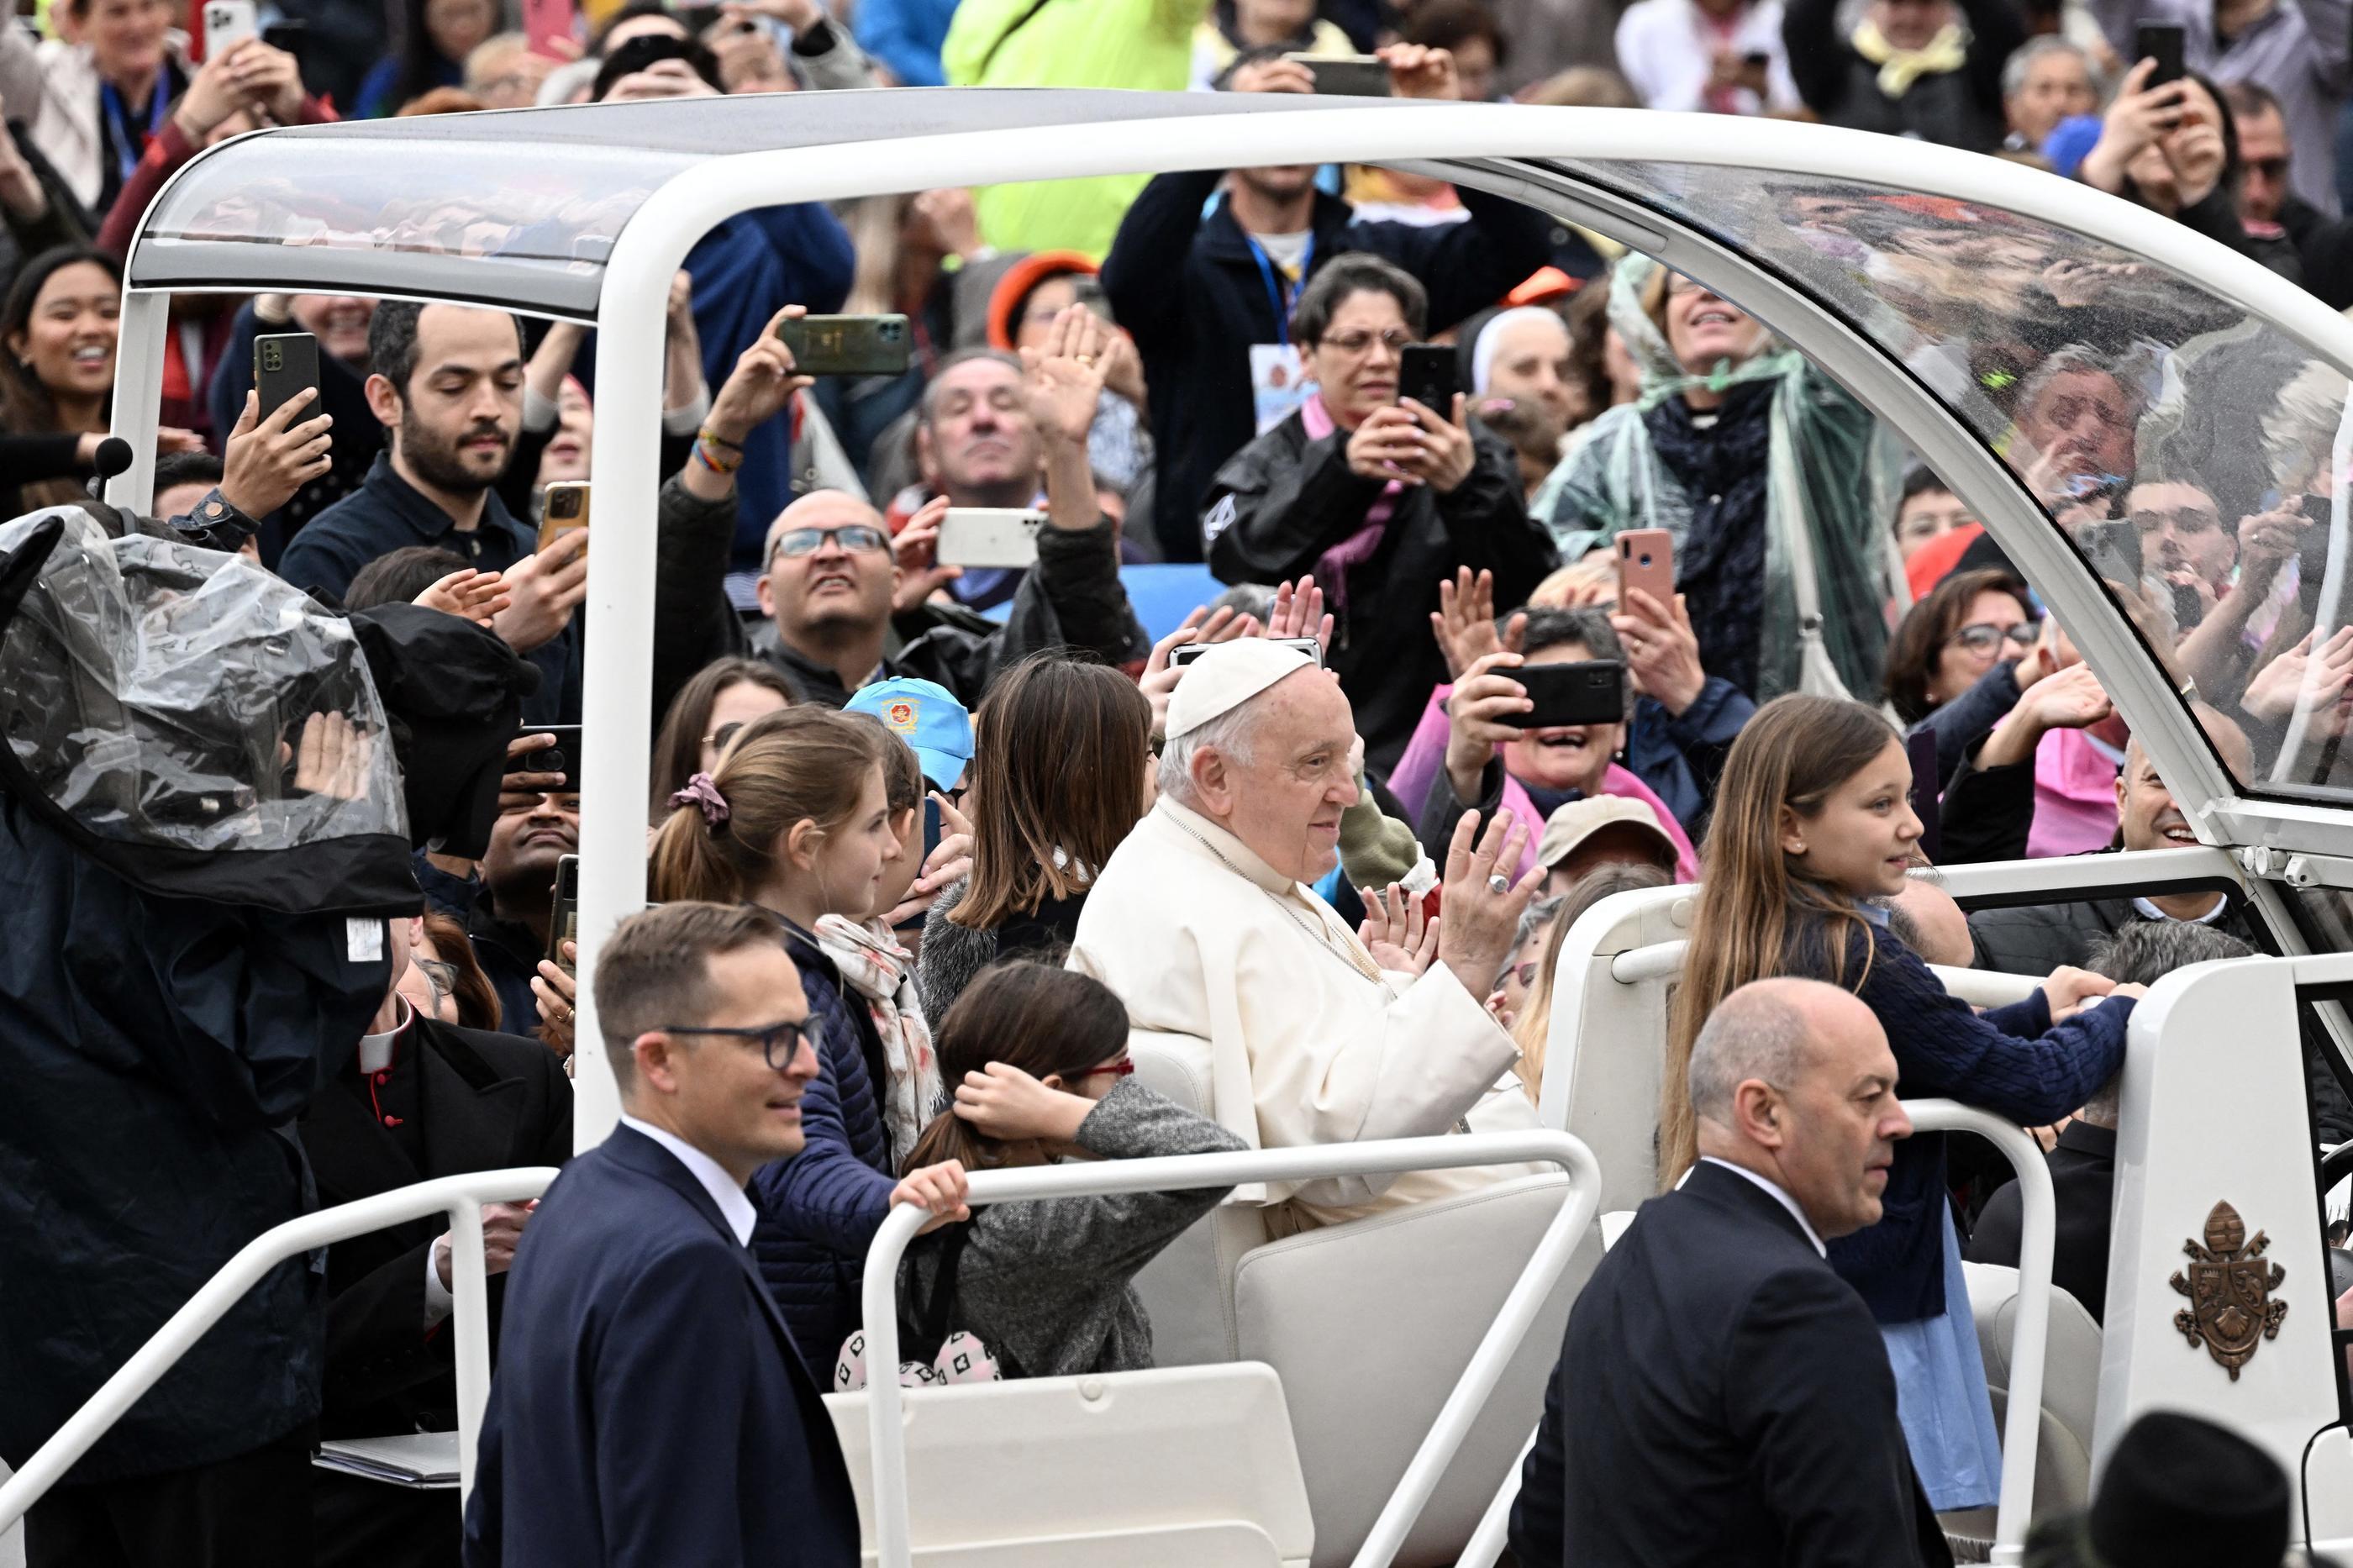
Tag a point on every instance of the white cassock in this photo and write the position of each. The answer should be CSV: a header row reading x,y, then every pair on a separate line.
x,y
1307,1040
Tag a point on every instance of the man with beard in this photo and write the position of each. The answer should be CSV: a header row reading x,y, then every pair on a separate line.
x,y
446,385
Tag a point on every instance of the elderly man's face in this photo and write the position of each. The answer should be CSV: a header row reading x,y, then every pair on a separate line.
x,y
1285,799
2083,423
1841,1120
2058,85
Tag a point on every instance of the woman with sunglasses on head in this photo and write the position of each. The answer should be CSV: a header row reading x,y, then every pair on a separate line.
x,y
795,819
1038,1058
709,711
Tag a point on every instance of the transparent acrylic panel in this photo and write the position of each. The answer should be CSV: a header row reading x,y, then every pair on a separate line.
x,y
2189,450
520,207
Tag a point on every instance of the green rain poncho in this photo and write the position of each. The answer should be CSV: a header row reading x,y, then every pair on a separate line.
x,y
1826,466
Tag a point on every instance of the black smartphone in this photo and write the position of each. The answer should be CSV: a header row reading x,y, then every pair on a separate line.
x,y
563,757
2161,42
931,827
1430,376
847,345
1348,76
1921,749
283,364
563,912
1589,691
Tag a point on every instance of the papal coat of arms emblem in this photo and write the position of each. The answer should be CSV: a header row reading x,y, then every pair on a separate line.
x,y
2230,1285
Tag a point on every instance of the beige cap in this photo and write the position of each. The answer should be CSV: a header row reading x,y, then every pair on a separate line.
x,y
1227,676
1579,820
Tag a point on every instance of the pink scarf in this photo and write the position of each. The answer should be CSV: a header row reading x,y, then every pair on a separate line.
x,y
1331,566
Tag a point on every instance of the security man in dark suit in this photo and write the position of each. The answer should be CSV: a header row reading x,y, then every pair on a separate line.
x,y
1732,1400
650,1407
420,1099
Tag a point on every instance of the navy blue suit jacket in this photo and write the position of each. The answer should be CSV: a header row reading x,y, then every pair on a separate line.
x,y
649,1406
1732,1407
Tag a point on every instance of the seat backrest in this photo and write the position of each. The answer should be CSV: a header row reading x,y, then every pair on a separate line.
x,y
1187,1290
1371,1323
1602,1059
1167,1462
2071,1381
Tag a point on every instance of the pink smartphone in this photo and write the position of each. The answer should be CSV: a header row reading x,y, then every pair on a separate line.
x,y
544,22
1646,559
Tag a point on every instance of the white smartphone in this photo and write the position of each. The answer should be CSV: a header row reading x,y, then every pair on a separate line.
x,y
1181,657
990,536
228,22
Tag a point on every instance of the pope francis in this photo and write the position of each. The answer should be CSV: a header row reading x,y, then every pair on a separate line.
x,y
1203,925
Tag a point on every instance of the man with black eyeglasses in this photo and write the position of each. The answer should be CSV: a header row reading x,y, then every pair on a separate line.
x,y
660,1409
2284,231
847,604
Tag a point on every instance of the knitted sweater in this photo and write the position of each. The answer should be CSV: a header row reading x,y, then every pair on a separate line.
x,y
2012,1061
1048,1285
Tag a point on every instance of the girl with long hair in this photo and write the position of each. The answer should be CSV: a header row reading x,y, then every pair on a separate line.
x,y
1039,1055
709,711
1813,832
795,819
1061,769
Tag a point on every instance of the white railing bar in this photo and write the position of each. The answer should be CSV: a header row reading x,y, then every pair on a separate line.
x,y
1977,987
886,1432
2022,1426
460,1197
1494,1531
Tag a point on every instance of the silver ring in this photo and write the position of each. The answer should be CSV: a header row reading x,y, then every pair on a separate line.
x,y
1500,884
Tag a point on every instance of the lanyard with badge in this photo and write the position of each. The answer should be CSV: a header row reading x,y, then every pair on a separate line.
x,y
126,155
1280,382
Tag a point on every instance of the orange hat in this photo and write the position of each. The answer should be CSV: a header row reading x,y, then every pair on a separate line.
x,y
1020,280
1542,285
1934,561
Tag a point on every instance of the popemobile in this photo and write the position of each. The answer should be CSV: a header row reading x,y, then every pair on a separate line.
x,y
1362,1393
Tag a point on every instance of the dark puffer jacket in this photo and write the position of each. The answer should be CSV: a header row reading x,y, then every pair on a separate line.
x,y
820,1210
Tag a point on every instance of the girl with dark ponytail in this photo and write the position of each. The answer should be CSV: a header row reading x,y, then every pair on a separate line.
x,y
1038,1058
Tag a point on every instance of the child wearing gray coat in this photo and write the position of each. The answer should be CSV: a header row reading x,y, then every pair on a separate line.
x,y
1038,1060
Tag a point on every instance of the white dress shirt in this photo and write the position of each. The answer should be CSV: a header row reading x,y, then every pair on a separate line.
x,y
1779,1196
733,1206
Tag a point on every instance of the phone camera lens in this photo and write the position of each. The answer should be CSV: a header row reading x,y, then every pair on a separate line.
x,y
550,761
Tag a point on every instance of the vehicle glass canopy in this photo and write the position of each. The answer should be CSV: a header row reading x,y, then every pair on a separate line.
x,y
2147,414
521,208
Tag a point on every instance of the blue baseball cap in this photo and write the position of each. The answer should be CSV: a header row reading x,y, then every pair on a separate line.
x,y
928,718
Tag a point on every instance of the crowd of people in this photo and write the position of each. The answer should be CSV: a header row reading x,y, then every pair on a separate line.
x,y
933,844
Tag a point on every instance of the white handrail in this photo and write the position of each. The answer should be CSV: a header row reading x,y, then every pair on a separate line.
x,y
460,1197
887,1432
1977,987
2022,1426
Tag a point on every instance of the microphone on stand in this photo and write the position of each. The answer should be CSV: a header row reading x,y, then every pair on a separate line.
x,y
113,457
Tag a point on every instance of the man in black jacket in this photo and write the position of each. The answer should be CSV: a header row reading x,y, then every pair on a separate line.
x,y
849,605
1245,264
2284,231
1909,70
1735,1404
422,1099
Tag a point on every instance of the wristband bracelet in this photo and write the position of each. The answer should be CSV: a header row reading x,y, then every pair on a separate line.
x,y
708,455
713,437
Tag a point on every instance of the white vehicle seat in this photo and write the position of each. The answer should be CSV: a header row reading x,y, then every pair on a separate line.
x,y
1174,1467
1368,1324
2071,1384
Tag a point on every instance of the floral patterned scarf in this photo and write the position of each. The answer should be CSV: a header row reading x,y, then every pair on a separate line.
x,y
881,973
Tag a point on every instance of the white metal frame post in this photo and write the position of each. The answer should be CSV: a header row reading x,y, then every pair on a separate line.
x,y
138,392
